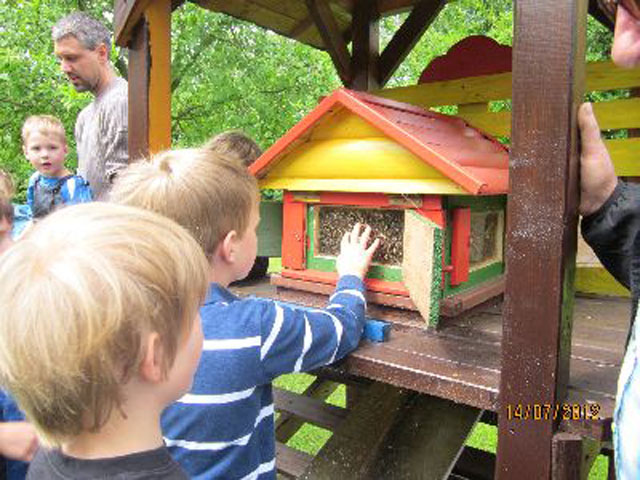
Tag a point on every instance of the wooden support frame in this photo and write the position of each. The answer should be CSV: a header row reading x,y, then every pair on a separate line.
x,y
150,77
406,37
334,43
365,46
541,237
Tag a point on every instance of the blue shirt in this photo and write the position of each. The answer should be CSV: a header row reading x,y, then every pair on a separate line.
x,y
9,412
224,427
44,194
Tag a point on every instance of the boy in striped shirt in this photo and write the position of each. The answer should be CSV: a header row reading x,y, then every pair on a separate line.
x,y
224,427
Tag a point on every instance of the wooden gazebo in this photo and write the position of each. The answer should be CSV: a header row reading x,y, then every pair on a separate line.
x,y
522,370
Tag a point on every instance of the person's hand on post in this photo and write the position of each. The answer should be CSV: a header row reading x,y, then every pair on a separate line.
x,y
625,51
355,257
18,441
597,176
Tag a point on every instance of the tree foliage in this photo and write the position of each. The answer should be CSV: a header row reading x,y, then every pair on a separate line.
x,y
226,73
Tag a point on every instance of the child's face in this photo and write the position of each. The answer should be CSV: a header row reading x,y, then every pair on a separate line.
x,y
186,362
247,246
46,153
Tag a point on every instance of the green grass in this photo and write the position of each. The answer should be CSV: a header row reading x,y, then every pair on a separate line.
x,y
310,438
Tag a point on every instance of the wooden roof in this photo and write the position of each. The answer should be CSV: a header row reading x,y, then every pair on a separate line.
x,y
292,18
476,163
296,19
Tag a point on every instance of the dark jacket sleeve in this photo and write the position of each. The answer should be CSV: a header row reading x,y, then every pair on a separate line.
x,y
612,229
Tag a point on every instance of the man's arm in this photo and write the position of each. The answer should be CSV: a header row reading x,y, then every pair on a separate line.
x,y
611,208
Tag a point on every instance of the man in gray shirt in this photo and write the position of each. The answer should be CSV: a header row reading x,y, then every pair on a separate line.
x,y
82,46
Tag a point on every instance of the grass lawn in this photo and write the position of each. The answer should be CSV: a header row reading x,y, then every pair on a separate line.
x,y
311,438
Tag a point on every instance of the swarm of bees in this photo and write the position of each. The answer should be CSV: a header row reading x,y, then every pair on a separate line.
x,y
387,225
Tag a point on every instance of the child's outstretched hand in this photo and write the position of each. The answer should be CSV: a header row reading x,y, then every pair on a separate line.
x,y
355,257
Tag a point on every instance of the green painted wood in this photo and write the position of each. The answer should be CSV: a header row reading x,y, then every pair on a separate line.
x,y
475,278
270,229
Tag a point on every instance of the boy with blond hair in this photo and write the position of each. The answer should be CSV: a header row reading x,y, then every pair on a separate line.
x,y
99,332
44,144
224,427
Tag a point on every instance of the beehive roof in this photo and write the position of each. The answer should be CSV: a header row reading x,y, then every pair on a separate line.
x,y
469,158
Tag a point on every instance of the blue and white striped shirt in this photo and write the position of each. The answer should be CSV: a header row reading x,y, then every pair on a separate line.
x,y
224,427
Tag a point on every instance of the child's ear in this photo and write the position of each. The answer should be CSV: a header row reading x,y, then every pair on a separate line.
x,y
151,368
228,247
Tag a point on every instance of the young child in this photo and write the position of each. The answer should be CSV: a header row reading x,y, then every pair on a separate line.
x,y
234,144
99,331
45,145
224,427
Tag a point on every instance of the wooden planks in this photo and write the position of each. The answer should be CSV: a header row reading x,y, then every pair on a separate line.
x,y
601,76
351,451
312,410
427,441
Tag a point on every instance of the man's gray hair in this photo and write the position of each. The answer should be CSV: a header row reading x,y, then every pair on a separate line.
x,y
86,29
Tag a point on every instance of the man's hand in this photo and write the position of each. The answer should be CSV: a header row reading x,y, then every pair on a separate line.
x,y
597,176
626,40
18,440
355,257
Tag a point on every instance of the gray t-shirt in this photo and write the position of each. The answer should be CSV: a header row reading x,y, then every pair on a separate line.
x,y
149,465
101,137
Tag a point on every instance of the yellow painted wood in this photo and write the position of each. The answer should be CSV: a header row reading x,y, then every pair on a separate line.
x,y
158,15
618,114
453,92
493,123
596,280
625,154
368,158
473,108
343,124
600,76
431,186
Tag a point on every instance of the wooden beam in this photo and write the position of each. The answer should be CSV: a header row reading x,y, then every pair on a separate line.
x,y
352,449
548,82
427,440
331,36
365,46
406,37
127,13
158,17
139,67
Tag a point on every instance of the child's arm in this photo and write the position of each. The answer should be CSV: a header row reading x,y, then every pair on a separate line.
x,y
18,441
297,339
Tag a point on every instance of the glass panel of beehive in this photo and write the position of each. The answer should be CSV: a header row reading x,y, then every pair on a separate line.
x,y
486,238
388,225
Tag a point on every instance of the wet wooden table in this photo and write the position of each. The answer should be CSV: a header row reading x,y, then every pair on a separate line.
x,y
461,361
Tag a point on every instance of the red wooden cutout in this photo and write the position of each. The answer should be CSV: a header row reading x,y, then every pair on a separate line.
x,y
460,243
293,233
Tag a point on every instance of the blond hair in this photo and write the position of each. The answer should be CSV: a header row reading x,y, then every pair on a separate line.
x,y
6,192
235,144
204,192
45,125
79,293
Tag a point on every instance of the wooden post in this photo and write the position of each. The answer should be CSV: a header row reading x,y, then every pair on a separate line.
x,y
139,92
158,16
366,46
548,79
150,82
